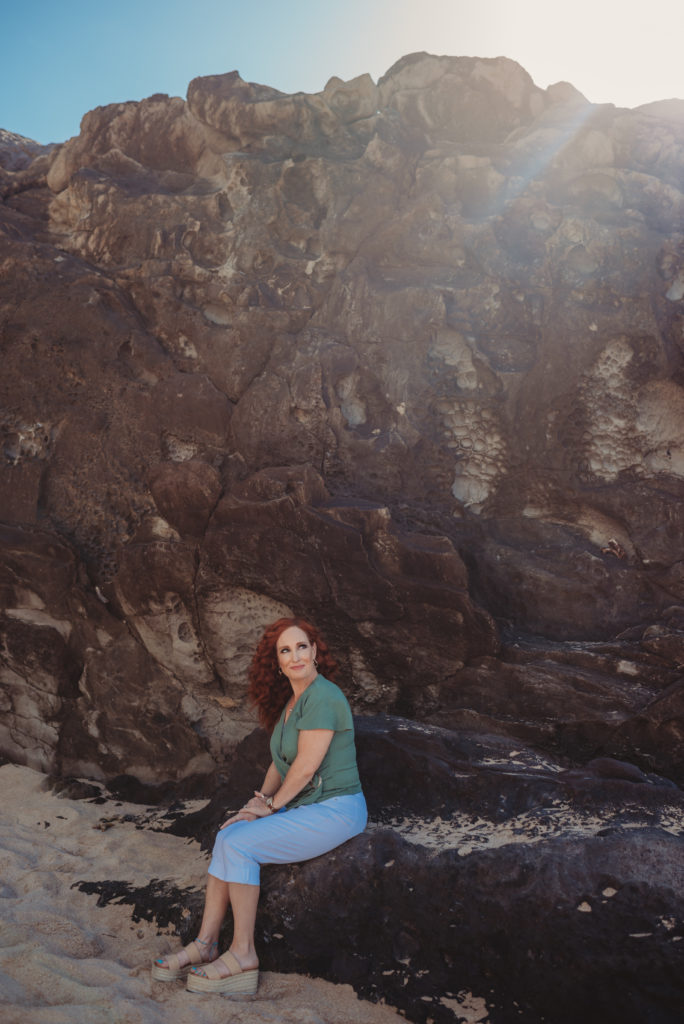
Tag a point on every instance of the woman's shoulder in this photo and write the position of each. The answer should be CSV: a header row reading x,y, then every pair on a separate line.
x,y
323,688
324,706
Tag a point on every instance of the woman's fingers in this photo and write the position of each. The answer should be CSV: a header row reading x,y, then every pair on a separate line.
x,y
257,805
254,808
242,815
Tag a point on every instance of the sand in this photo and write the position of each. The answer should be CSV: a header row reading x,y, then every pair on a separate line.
x,y
64,960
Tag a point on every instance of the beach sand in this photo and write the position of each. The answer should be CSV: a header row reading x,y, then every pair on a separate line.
x,y
64,960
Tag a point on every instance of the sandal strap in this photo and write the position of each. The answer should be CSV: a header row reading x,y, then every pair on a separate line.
x,y
230,961
193,952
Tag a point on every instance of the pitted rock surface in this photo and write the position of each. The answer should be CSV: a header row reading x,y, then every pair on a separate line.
x,y
403,356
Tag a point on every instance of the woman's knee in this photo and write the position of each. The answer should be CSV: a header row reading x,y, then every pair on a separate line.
x,y
227,844
222,843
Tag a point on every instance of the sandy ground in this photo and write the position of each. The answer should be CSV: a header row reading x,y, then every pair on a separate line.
x,y
64,960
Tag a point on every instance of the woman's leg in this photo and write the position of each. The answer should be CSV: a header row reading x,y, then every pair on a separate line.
x,y
282,838
216,900
243,901
286,837
216,903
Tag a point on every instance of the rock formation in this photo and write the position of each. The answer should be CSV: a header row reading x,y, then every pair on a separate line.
x,y
406,358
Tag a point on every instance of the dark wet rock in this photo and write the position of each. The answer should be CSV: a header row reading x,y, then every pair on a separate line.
x,y
158,901
549,932
427,772
547,891
76,789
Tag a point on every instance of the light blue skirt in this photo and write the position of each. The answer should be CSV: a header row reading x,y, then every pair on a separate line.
x,y
286,837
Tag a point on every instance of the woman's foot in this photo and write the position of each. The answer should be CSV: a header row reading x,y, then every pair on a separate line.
x,y
178,965
245,962
227,975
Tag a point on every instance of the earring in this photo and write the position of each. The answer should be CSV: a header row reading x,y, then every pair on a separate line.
x,y
315,664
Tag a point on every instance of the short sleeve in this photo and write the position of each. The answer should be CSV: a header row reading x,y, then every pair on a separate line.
x,y
325,707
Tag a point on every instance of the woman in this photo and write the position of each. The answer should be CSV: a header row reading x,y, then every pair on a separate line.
x,y
310,802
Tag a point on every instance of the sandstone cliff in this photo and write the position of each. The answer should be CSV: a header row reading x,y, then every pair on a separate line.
x,y
405,357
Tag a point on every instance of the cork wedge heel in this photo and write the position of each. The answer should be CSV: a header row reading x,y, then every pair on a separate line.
x,y
238,982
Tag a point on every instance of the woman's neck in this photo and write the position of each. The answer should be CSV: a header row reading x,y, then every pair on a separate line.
x,y
300,686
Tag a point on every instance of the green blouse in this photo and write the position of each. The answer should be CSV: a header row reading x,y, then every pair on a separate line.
x,y
321,706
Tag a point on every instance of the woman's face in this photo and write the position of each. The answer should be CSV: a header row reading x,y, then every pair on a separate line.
x,y
296,656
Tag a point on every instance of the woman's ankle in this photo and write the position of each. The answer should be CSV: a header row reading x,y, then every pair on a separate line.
x,y
245,955
208,947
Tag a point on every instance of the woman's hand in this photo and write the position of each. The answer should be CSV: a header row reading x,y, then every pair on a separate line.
x,y
241,815
253,809
257,805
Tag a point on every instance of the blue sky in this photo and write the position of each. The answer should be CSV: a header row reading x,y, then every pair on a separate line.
x,y
60,59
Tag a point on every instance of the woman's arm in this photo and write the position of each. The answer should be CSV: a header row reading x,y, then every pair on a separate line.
x,y
270,785
312,746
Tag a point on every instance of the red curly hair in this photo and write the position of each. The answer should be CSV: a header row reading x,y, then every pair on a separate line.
x,y
269,690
